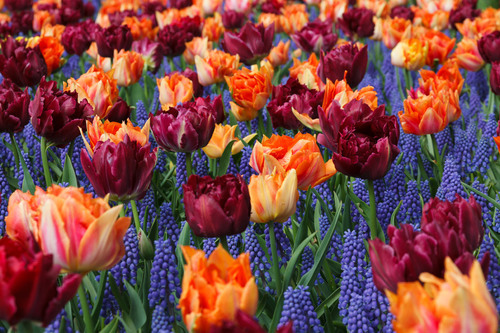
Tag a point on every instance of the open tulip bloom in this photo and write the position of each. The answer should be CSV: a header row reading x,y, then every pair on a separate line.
x,y
214,166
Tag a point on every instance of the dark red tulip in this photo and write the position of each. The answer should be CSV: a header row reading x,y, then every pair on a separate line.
x,y
152,52
357,22
179,4
402,12
272,7
24,66
173,37
217,207
29,285
22,21
113,38
117,17
123,170
489,45
251,43
363,141
346,57
57,115
76,39
316,36
185,128
215,106
232,19
120,111
495,77
462,216
18,5
460,14
245,323
14,105
295,95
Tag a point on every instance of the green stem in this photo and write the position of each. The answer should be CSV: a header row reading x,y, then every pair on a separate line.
x,y
401,93
87,318
45,162
223,241
372,214
15,149
437,156
189,165
135,213
172,65
261,125
491,102
274,251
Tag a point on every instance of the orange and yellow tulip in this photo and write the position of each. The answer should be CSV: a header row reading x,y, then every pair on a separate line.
x,y
440,46
468,56
306,72
215,66
222,136
215,289
174,89
279,54
51,49
410,54
198,46
395,30
213,28
140,28
127,67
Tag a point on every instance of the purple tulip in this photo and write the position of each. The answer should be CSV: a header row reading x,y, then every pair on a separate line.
x,y
495,77
251,43
346,57
315,37
232,19
489,45
18,5
120,111
357,22
173,37
113,38
152,53
14,105
76,39
463,12
402,12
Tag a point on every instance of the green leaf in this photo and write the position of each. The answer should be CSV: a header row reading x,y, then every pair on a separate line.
x,y
328,302
111,327
491,200
96,309
137,312
296,254
395,213
308,216
68,173
225,159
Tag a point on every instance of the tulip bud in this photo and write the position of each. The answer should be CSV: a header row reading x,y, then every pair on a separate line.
x,y
146,248
233,19
344,58
315,37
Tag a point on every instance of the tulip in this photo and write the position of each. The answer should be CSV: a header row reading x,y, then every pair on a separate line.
x,y
306,72
97,88
58,115
151,52
273,196
23,22
468,56
315,37
291,101
279,54
285,153
341,92
233,19
215,289
193,76
363,141
213,28
410,54
208,7
14,105
477,28
140,27
463,12
459,303
357,22
18,5
347,57
217,207
184,128
215,107
29,285
222,136
215,67
293,18
119,112
402,12
76,39
240,6
251,43
127,67
174,89
250,90
173,37
495,77
51,49
439,45
24,66
489,45
197,47
113,38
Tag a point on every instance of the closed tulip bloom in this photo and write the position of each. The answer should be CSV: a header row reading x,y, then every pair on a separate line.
x,y
250,90
215,289
395,30
348,57
440,46
273,196
14,104
174,89
357,22
127,67
214,106
115,37
468,56
489,45
279,54
363,141
97,87
58,115
215,66
184,128
217,207
122,170
23,65
222,136
315,37
29,285
76,39
285,153
233,19
251,43
410,54
495,77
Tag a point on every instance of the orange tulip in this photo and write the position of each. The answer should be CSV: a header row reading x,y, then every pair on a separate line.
x,y
379,7
214,289
269,18
174,89
208,7
457,303
497,141
97,87
127,67
440,46
448,74
279,54
213,28
222,136
50,30
42,18
476,28
424,114
250,90
306,72
140,28
293,18
273,196
284,153
332,9
110,130
410,54
173,15
51,49
468,56
395,30
82,233
215,66
4,18
198,46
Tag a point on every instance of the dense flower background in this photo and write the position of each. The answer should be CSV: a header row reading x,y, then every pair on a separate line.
x,y
249,166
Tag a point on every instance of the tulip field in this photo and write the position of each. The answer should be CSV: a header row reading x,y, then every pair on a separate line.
x,y
257,166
